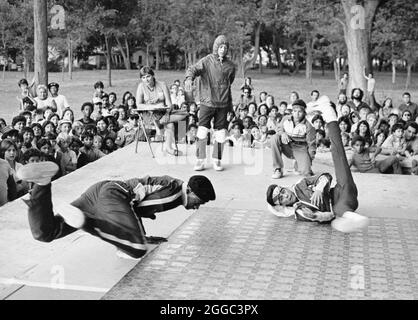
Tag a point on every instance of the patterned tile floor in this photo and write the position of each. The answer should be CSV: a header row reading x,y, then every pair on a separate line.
x,y
239,254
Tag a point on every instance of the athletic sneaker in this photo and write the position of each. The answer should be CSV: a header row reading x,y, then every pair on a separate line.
x,y
350,222
217,165
200,165
327,111
40,173
278,174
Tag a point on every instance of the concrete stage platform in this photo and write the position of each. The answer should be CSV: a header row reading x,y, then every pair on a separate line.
x,y
82,267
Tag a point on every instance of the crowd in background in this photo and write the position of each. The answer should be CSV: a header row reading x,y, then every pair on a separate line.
x,y
46,128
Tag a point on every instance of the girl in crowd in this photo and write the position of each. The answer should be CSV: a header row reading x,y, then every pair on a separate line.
x,y
38,132
112,100
8,152
125,97
345,125
263,110
252,110
68,114
131,103
55,119
77,129
363,130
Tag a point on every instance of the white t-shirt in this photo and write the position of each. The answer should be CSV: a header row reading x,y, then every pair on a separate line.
x,y
42,104
371,84
61,102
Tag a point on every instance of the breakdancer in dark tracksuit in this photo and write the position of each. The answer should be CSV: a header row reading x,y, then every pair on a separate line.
x,y
313,199
110,210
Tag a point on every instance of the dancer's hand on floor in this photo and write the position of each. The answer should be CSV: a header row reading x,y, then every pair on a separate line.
x,y
156,240
317,198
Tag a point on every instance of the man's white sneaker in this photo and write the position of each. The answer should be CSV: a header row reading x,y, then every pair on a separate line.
x,y
278,174
40,173
350,222
200,165
217,165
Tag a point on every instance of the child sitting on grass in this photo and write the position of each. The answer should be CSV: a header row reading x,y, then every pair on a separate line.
x,y
365,164
68,162
395,144
236,139
88,149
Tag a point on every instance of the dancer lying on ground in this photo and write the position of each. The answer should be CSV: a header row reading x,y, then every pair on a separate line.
x,y
313,199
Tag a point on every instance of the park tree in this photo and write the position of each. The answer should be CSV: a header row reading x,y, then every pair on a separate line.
x,y
303,21
357,20
395,35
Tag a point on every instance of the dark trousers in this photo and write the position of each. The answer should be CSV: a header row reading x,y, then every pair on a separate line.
x,y
108,213
344,194
220,123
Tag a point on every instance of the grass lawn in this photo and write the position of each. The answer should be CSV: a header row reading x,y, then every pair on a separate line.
x,y
80,88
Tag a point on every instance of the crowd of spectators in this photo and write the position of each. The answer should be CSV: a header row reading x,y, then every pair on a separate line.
x,y
46,129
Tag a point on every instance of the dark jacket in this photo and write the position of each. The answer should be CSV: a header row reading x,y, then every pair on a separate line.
x,y
215,78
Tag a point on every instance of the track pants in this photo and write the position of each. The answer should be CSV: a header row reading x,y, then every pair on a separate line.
x,y
344,194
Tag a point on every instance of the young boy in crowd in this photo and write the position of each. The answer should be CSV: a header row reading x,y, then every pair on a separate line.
x,y
127,134
365,164
98,142
88,149
98,89
259,139
236,138
395,144
75,145
68,162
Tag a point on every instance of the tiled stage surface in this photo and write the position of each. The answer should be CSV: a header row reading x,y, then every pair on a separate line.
x,y
248,254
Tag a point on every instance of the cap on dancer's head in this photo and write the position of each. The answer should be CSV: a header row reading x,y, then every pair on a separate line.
x,y
202,187
273,195
299,103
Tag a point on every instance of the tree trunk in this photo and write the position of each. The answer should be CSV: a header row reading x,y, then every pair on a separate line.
x,y
157,58
260,65
40,14
70,58
108,61
148,45
125,56
393,72
4,72
408,75
309,60
249,63
357,33
128,54
25,63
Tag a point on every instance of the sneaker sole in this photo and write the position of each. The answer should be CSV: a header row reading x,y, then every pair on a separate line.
x,y
33,172
345,225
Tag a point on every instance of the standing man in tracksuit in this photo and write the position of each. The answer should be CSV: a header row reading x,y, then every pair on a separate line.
x,y
110,210
216,74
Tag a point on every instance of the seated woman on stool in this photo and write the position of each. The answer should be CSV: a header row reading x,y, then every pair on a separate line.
x,y
155,95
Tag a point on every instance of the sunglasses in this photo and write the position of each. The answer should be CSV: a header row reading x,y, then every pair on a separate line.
x,y
278,199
